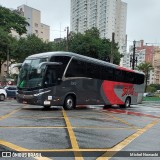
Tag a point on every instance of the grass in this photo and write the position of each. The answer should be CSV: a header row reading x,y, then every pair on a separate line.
x,y
151,99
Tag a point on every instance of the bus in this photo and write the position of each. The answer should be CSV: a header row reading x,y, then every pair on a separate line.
x,y
68,79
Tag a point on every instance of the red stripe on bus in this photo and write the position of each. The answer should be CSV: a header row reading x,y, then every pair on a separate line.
x,y
125,69
108,88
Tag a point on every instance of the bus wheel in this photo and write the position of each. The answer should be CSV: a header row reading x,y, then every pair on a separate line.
x,y
69,103
127,103
2,97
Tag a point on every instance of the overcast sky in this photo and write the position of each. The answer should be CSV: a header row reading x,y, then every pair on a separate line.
x,y
143,17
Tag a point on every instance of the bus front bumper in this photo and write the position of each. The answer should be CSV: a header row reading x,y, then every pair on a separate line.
x,y
29,99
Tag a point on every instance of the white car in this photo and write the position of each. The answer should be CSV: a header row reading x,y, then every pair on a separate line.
x,y
3,94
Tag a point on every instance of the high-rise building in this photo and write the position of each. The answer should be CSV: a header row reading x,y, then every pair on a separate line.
x,y
107,15
33,17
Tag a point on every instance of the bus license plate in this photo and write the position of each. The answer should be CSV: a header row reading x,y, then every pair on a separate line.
x,y
47,102
24,102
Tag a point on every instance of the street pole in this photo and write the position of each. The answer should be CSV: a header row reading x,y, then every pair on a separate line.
x,y
67,39
112,47
134,51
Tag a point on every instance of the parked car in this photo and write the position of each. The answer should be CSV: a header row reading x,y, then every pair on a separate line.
x,y
145,94
150,95
11,91
3,94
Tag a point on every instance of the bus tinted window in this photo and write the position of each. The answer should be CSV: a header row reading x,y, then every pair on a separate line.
x,y
107,73
93,70
77,68
119,75
129,77
139,78
64,60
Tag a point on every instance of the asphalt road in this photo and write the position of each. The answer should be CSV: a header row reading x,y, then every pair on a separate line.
x,y
87,133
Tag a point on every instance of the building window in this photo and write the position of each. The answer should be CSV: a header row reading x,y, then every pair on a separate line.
x,y
36,31
36,25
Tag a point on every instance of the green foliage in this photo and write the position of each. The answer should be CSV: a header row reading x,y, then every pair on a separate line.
x,y
156,86
151,89
89,44
146,68
7,43
11,20
30,45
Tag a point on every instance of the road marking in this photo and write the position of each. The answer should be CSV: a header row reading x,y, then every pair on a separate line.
x,y
37,117
78,155
13,146
49,127
75,127
126,141
9,114
121,120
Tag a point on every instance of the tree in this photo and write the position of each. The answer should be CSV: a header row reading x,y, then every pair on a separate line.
x,y
89,44
146,68
30,45
151,89
11,20
7,45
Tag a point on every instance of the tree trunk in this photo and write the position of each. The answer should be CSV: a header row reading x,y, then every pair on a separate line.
x,y
146,82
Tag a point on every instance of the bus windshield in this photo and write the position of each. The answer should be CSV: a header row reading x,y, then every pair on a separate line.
x,y
28,76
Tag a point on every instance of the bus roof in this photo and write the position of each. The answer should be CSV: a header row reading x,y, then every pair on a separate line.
x,y
71,54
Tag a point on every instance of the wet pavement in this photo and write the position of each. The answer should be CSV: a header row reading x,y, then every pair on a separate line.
x,y
86,133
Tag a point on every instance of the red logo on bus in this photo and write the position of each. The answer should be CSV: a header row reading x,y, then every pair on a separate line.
x,y
128,90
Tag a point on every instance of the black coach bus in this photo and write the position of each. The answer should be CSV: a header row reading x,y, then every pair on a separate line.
x,y
68,79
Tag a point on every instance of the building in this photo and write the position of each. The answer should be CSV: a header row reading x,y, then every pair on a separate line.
x,y
107,15
139,57
33,17
149,50
156,64
145,53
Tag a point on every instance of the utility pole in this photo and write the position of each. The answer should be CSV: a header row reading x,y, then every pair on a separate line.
x,y
133,58
67,39
134,51
112,47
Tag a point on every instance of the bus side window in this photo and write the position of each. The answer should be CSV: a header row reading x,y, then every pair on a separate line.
x,y
64,60
93,71
129,77
139,79
50,78
107,73
77,68
119,75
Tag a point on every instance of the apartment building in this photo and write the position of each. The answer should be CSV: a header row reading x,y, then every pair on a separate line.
x,y
33,17
156,64
146,53
107,15
139,57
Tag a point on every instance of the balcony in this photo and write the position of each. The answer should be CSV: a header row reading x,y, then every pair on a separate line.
x,y
157,63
